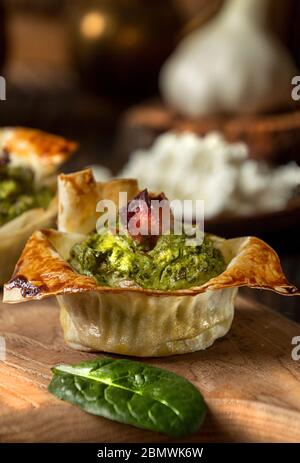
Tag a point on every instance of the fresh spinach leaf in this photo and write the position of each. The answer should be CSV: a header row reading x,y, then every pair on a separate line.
x,y
133,393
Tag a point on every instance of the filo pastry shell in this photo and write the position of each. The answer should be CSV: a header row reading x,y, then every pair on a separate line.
x,y
42,153
131,320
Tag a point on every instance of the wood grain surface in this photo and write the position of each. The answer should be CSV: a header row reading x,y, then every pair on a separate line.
x,y
250,382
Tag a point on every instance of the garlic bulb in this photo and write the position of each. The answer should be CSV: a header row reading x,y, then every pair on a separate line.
x,y
231,65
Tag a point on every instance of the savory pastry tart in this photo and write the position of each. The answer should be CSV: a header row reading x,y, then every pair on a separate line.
x,y
28,161
137,295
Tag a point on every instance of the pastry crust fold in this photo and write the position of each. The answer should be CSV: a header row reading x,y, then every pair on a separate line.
x,y
41,151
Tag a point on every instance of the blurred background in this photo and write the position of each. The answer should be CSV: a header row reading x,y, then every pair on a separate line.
x,y
89,70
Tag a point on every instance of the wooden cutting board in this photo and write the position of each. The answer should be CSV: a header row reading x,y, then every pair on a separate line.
x,y
249,380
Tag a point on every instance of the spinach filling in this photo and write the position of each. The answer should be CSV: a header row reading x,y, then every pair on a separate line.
x,y
19,193
170,265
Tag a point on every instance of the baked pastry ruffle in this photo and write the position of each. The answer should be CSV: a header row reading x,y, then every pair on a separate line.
x,y
131,320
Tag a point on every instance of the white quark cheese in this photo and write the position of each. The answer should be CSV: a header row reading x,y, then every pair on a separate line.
x,y
187,166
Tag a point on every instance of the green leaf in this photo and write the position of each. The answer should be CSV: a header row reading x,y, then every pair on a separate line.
x,y
131,392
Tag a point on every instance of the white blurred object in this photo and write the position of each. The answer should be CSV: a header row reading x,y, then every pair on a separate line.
x,y
101,173
186,166
231,65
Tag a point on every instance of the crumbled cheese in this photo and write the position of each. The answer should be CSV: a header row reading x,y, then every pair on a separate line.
x,y
187,166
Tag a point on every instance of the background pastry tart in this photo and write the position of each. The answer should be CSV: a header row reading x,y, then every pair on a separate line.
x,y
127,318
29,160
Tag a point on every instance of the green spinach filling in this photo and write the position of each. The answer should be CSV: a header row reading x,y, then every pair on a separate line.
x,y
170,265
19,193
